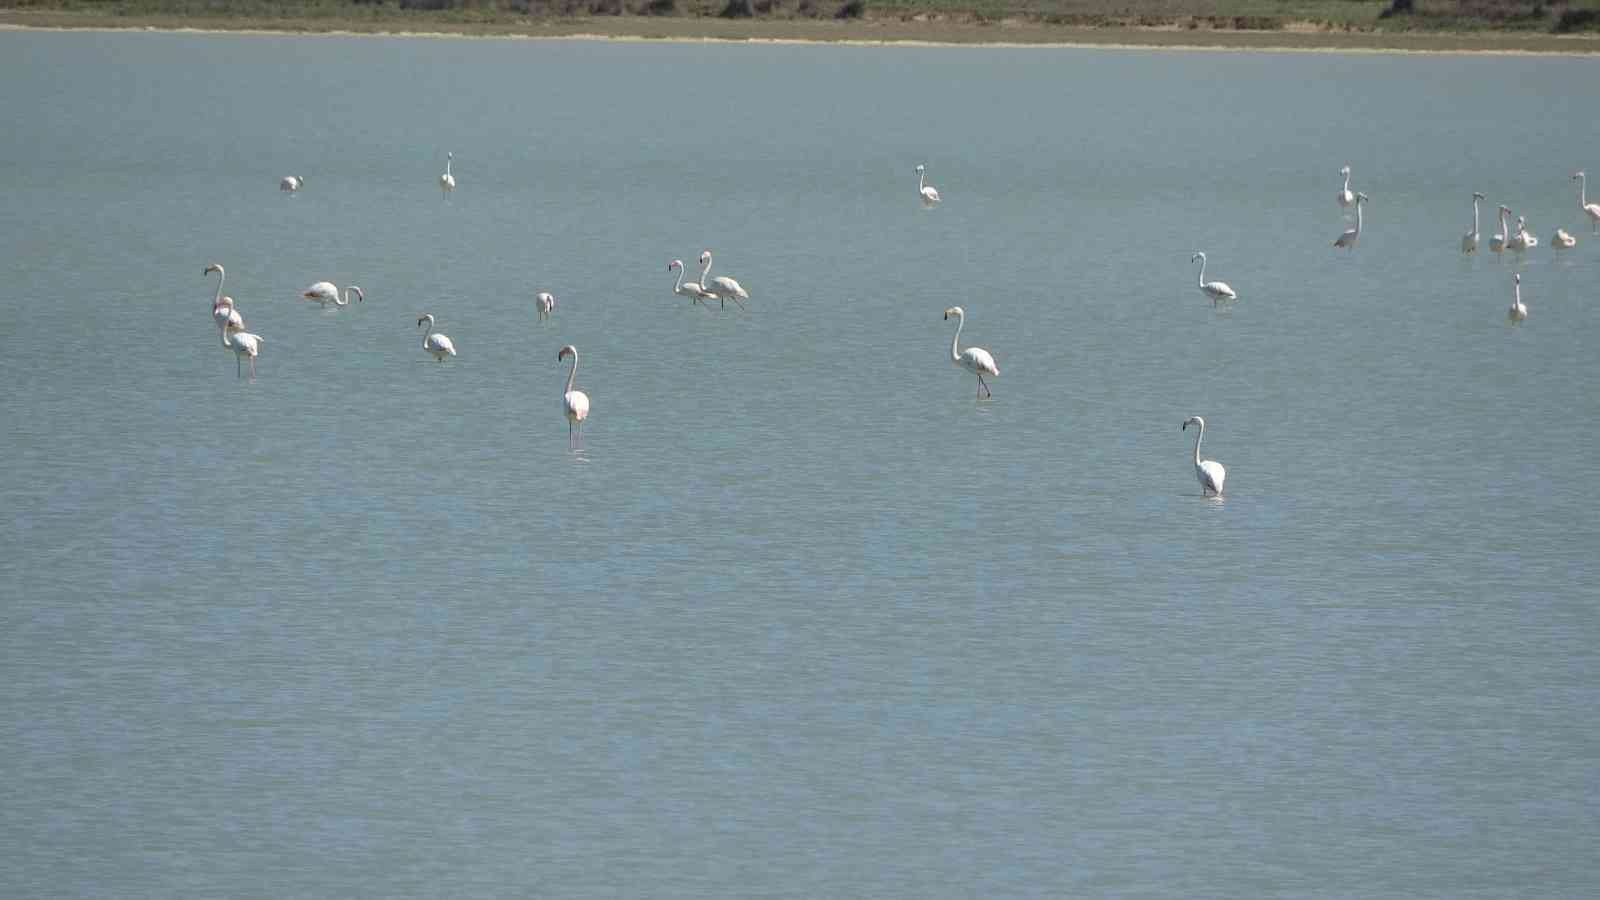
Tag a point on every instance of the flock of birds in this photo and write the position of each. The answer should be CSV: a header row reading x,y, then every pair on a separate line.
x,y
977,360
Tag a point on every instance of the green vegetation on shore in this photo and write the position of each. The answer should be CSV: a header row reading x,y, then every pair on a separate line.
x,y
1534,25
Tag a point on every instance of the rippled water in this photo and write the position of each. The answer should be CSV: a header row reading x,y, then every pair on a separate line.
x,y
804,618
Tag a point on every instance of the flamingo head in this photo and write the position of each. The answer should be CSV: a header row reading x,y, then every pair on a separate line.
x,y
565,352
426,317
1522,221
1360,197
921,168
212,268
1478,196
675,264
1344,170
361,296
1578,175
1196,420
1517,278
953,311
1504,209
1198,255
705,257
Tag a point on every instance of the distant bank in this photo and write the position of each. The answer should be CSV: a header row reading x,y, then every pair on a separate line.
x,y
890,26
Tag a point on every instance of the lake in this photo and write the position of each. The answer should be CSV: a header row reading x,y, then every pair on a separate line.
x,y
803,618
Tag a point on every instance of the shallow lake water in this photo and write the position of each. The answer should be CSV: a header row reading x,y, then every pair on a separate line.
x,y
804,617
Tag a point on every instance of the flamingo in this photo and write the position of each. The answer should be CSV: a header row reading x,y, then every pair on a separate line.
x,y
447,182
546,302
1349,238
1469,241
243,344
1497,241
324,293
1209,471
722,287
225,315
976,360
1520,239
1563,240
1518,311
930,194
436,343
1344,196
291,183
692,290
574,403
1592,210
1216,290
222,311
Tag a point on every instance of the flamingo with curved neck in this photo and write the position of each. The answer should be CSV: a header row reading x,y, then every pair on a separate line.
x,y
929,193
447,182
325,293
1349,238
1216,290
1592,210
243,344
1210,473
976,360
574,403
693,290
1344,196
722,287
1518,311
435,343
1497,241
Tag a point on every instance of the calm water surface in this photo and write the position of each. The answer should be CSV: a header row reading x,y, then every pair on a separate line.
x,y
803,619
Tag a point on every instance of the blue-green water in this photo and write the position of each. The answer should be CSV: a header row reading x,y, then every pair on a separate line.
x,y
803,619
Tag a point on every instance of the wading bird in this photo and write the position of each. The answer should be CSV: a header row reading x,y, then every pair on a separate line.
x,y
1469,241
1344,196
1210,472
574,403
929,194
291,183
324,293
447,182
546,302
1215,290
1518,311
436,343
243,344
722,287
976,360
1349,238
1592,210
691,289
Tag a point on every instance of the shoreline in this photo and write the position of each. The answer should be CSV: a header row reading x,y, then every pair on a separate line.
x,y
864,33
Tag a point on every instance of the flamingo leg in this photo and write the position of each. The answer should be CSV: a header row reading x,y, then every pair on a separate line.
x,y
238,366
252,368
985,386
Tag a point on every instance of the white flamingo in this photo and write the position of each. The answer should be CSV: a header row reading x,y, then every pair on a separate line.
x,y
447,182
436,343
1216,290
222,311
1344,196
546,302
291,183
691,289
1469,241
722,287
1518,311
325,292
575,404
1521,239
1210,472
1562,240
1349,238
929,194
1592,210
976,360
243,344
1497,241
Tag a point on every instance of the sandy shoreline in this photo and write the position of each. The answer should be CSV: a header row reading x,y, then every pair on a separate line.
x,y
864,34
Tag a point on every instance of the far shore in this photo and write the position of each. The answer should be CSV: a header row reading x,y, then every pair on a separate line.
x,y
873,32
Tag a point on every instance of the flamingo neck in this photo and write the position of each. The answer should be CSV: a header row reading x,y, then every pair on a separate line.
x,y
922,181
1202,270
447,165
1358,231
677,286
1583,192
573,374
427,324
955,354
1347,182
1474,215
705,273
222,276
1198,435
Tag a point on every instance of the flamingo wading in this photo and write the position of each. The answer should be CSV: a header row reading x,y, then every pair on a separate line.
x,y
1518,311
1497,241
1210,473
447,182
1215,290
691,289
722,287
1344,196
929,193
1592,210
546,302
1469,241
435,343
976,360
574,403
243,344
1349,238
222,311
324,293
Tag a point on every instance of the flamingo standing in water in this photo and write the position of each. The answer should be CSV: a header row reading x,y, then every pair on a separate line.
x,y
691,289
243,344
436,343
447,182
222,311
722,287
1210,472
1592,210
1469,241
546,302
976,360
291,183
1562,240
574,403
1344,196
1216,290
325,292
1518,311
1497,241
929,194
1521,239
1349,238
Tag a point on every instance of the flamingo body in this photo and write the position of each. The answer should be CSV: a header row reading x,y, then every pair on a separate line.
x,y
929,194
291,183
1562,240
546,302
243,344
